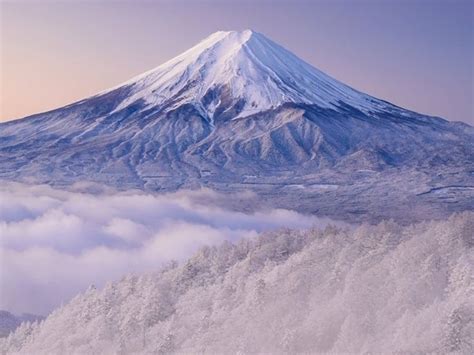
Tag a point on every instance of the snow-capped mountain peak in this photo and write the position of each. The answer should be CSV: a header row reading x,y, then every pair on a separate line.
x,y
238,112
243,71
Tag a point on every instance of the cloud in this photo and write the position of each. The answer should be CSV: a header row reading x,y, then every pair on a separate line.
x,y
55,243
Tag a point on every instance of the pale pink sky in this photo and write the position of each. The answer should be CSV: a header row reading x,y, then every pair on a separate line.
x,y
417,54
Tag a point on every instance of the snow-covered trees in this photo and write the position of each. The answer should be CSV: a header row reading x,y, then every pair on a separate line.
x,y
383,288
9,321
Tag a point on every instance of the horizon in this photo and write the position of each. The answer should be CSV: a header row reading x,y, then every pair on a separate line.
x,y
25,92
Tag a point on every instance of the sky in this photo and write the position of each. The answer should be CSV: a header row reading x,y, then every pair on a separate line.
x,y
417,54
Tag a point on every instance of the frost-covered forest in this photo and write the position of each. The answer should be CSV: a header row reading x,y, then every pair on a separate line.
x,y
383,288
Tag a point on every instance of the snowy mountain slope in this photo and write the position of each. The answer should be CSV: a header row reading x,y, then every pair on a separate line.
x,y
241,70
375,289
239,112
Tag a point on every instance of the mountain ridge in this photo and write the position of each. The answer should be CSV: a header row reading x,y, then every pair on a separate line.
x,y
206,119
240,60
372,289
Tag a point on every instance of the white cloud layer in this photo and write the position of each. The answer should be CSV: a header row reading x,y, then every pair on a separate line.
x,y
55,243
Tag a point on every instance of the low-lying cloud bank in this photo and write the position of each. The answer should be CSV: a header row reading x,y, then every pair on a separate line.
x,y
371,289
55,243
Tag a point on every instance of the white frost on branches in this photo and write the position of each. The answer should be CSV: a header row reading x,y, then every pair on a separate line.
x,y
378,289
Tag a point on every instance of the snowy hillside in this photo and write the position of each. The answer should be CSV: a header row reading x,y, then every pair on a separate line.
x,y
374,289
9,322
238,112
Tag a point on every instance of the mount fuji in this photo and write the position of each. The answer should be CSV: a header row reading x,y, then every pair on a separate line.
x,y
238,112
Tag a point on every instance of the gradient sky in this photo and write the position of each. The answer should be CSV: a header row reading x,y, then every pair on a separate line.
x,y
417,54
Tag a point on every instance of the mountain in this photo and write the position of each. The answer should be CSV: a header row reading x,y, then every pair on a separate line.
x,y
241,73
382,289
238,112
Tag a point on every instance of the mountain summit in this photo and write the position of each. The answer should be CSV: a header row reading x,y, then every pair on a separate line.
x,y
244,72
238,112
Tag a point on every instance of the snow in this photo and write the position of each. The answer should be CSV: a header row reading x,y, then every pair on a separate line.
x,y
241,115
374,289
97,237
159,131
9,322
255,69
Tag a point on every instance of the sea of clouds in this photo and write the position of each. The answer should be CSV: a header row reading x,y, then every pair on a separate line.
x,y
55,243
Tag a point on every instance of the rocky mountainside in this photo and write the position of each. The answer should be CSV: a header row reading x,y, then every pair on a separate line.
x,y
238,112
